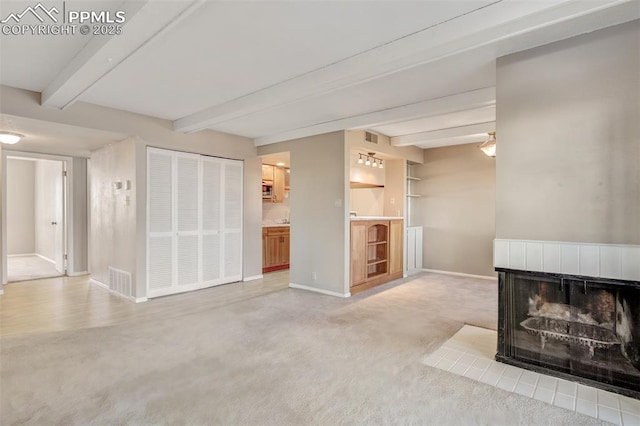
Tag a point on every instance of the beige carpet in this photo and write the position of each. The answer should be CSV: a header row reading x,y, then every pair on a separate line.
x,y
29,267
289,357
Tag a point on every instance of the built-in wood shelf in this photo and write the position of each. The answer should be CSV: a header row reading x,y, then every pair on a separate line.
x,y
375,262
413,195
413,178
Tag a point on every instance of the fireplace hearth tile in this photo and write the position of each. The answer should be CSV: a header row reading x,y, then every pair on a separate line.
x,y
565,394
608,399
567,388
629,419
630,405
544,395
529,378
525,389
589,408
587,393
609,415
564,401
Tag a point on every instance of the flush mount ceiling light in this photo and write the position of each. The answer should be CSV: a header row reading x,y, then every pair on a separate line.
x,y
9,137
370,160
489,146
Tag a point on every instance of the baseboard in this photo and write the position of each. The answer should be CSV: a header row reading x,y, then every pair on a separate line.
x,y
460,274
21,255
124,296
77,274
253,278
45,258
318,290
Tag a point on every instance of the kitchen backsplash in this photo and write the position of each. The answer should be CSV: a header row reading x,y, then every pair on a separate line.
x,y
275,212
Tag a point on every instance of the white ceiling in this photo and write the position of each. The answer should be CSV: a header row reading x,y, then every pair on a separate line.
x,y
275,70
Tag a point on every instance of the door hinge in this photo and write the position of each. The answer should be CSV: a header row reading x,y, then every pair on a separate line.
x,y
64,173
65,256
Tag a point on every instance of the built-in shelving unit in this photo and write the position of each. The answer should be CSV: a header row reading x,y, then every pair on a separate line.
x,y
377,250
411,192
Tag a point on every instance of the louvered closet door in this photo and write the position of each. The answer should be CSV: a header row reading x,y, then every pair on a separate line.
x,y
187,209
232,221
211,221
160,235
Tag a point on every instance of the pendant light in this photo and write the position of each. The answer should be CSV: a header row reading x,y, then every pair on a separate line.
x,y
489,146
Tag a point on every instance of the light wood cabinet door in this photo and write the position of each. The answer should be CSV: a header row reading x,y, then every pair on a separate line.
x,y
358,252
278,184
267,172
395,247
273,251
285,249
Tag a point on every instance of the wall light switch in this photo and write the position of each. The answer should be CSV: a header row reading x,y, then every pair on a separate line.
x,y
127,184
117,185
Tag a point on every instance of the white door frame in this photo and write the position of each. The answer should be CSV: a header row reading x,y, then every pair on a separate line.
x,y
67,204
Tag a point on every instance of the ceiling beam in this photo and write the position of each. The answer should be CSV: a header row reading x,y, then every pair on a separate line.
x,y
145,21
486,25
450,136
460,102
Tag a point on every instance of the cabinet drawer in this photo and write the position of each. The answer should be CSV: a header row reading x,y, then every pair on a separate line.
x,y
280,230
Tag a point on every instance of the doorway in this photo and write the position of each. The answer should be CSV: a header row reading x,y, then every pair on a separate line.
x,y
35,218
276,215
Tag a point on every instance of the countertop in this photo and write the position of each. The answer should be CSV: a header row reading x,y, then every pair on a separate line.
x,y
273,225
377,218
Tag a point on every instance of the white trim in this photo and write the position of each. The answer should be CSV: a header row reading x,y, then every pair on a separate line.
x,y
1,291
318,290
460,274
253,278
124,296
77,274
45,258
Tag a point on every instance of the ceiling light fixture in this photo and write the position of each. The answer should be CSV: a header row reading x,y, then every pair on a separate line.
x,y
489,146
10,138
280,164
370,160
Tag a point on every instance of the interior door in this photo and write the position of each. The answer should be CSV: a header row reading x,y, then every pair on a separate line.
x,y
211,220
232,221
57,222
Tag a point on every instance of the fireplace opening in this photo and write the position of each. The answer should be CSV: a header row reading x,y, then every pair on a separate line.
x,y
584,327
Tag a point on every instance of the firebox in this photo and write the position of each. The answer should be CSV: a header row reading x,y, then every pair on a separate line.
x,y
581,328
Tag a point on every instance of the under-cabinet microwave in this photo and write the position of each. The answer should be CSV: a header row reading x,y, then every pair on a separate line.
x,y
267,189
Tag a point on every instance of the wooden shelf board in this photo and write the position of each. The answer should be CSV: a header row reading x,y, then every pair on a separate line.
x,y
375,274
375,261
413,195
375,243
413,178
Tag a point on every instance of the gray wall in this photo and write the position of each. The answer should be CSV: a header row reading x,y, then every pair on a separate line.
x,y
112,226
457,209
78,216
319,209
48,208
568,130
21,237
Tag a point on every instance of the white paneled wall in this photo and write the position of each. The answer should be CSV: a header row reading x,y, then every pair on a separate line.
x,y
592,260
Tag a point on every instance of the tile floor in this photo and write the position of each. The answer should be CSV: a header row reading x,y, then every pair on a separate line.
x,y
470,353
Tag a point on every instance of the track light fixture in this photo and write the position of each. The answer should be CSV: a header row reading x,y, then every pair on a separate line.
x,y
368,159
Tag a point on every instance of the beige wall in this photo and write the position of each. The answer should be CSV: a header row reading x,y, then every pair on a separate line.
x,y
112,226
457,209
395,187
21,237
367,201
319,215
568,130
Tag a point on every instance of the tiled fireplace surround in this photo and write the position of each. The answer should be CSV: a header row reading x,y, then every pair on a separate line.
x,y
555,269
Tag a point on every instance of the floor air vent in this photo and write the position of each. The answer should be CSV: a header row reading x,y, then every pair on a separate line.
x,y
120,281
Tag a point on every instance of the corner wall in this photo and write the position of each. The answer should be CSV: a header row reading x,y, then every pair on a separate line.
x,y
568,133
456,209
319,210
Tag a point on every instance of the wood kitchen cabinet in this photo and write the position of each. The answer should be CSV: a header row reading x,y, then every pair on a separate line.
x,y
275,248
278,178
376,252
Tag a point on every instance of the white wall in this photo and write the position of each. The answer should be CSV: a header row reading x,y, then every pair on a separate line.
x,y
568,130
21,238
48,206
